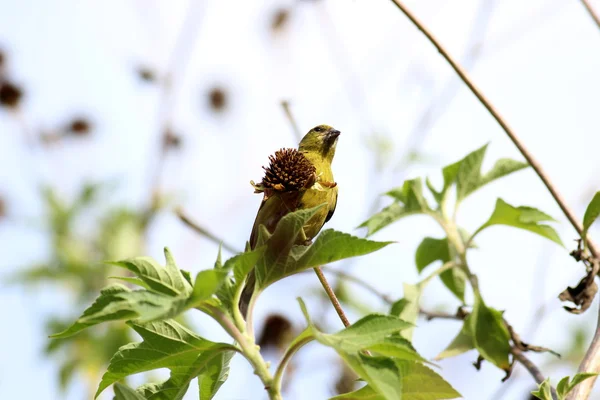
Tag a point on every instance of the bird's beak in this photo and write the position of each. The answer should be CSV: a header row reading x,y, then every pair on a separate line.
x,y
332,134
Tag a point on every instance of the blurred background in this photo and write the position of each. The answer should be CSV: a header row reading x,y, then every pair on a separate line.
x,y
114,114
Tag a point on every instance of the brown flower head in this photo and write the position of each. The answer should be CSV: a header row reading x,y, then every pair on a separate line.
x,y
10,94
289,170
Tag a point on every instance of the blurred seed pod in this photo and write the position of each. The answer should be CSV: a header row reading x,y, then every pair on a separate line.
x,y
146,74
277,332
79,127
10,94
280,19
218,99
171,140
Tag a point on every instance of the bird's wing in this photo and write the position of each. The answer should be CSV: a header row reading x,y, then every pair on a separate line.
x,y
271,210
333,205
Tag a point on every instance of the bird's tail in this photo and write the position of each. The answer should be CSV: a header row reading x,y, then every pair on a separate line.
x,y
247,293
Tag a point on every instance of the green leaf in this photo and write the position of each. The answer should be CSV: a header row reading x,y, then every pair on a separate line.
x,y
431,250
563,387
544,391
521,217
591,213
333,246
107,296
166,279
272,265
364,333
380,373
124,392
490,335
214,375
421,383
364,393
462,343
117,302
466,174
131,279
207,283
469,177
409,200
407,308
398,348
166,344
418,383
580,377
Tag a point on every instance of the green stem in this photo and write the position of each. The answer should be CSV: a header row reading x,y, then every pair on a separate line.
x,y
286,359
445,267
249,350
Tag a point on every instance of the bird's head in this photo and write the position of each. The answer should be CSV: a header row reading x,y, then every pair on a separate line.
x,y
320,139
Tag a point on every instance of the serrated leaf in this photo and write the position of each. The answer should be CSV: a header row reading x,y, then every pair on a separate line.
x,y
364,393
214,375
409,200
166,279
591,213
421,383
462,343
273,263
107,296
490,335
124,392
407,308
166,344
131,279
544,391
527,218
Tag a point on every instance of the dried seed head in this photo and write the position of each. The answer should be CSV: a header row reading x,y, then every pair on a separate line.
x,y
79,126
289,170
280,19
217,98
171,140
10,94
146,74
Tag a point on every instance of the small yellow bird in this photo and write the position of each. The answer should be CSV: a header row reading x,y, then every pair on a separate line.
x,y
295,180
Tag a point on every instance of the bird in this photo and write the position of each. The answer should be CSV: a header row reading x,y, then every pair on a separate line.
x,y
296,179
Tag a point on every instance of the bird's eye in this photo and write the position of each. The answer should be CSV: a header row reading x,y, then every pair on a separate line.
x,y
318,129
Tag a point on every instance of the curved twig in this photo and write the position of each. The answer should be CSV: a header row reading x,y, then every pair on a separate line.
x,y
332,297
595,16
501,121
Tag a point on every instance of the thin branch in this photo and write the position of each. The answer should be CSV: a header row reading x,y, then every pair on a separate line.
x,y
290,117
203,232
332,297
501,121
595,16
531,367
178,60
